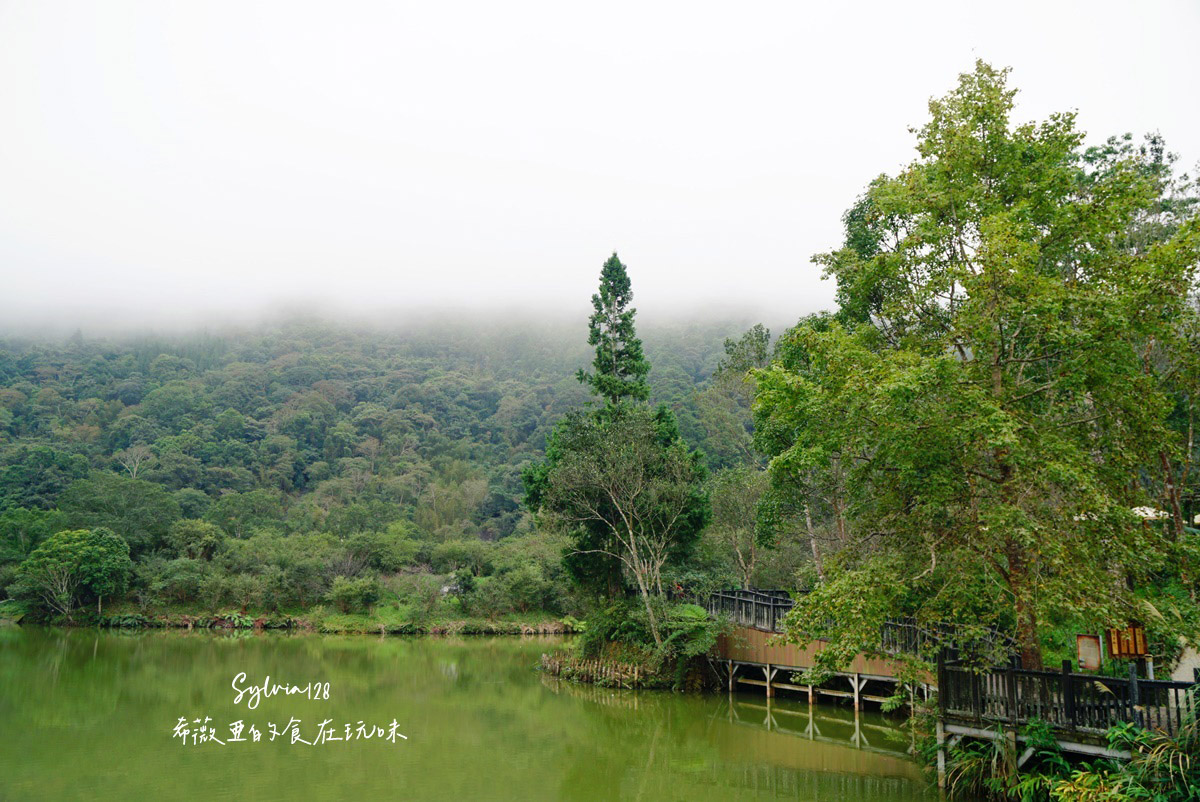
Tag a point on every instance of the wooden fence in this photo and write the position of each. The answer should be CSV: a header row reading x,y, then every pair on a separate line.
x,y
1064,699
757,609
765,610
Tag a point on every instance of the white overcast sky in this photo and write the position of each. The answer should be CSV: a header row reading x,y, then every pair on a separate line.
x,y
162,159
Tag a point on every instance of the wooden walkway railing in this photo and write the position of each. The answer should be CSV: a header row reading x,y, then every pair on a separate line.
x,y
765,610
979,696
757,609
1065,700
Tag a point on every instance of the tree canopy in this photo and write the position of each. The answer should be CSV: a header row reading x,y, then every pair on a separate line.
x,y
990,391
75,564
619,368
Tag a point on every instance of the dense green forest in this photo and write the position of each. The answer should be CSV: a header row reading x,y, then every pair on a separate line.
x,y
310,463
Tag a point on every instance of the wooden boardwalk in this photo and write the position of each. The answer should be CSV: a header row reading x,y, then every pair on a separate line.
x,y
753,655
992,702
1080,708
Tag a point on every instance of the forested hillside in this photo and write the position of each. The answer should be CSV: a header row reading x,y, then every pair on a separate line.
x,y
258,466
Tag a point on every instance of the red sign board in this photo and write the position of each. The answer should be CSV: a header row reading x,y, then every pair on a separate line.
x,y
1128,642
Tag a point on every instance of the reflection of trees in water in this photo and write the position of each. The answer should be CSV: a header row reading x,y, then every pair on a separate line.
x,y
656,744
635,738
43,671
118,694
60,676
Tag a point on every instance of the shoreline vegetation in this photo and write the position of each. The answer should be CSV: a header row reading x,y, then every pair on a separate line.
x,y
317,620
339,624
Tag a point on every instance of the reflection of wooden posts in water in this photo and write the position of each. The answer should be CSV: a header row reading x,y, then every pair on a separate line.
x,y
819,723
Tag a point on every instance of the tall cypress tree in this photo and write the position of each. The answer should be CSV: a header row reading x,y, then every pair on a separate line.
x,y
620,368
600,556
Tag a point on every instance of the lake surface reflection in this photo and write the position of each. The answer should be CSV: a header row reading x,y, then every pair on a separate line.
x,y
88,714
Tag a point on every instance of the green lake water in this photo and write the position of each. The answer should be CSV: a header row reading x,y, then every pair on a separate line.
x,y
91,715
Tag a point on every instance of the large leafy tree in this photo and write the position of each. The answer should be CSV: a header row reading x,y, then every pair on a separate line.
x,y
619,477
141,510
619,368
987,391
736,493
76,564
21,530
633,491
723,408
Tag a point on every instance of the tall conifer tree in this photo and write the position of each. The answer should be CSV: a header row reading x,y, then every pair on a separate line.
x,y
620,367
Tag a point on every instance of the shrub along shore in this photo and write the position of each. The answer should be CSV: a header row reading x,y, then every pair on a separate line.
x,y
380,621
338,624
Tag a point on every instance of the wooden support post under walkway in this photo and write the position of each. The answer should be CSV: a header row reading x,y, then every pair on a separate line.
x,y
941,755
772,683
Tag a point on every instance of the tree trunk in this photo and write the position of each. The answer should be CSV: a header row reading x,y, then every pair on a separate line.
x,y
839,506
1172,494
1028,644
745,565
816,549
614,585
650,612
641,573
1027,636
